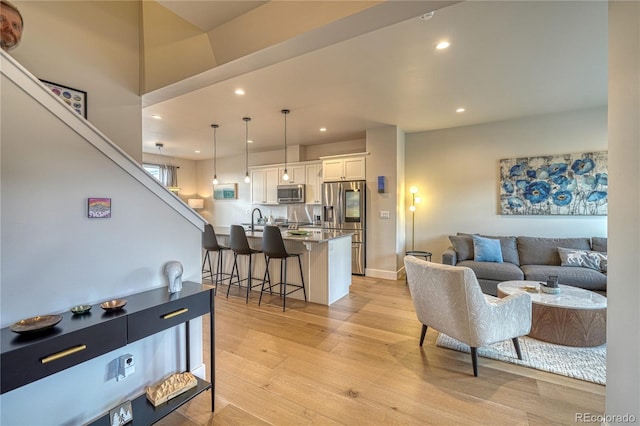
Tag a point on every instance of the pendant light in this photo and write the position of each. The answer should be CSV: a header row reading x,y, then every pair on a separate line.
x,y
215,176
285,176
247,179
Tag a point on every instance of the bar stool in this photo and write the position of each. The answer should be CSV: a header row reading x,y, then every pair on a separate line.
x,y
273,248
210,244
240,246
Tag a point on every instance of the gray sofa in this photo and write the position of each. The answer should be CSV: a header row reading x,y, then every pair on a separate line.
x,y
529,258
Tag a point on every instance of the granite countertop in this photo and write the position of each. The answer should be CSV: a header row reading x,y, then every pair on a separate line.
x,y
316,236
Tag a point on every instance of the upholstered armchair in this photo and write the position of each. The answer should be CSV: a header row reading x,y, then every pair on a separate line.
x,y
449,299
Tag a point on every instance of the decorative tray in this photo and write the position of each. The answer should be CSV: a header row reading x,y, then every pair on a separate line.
x,y
296,232
39,323
81,309
113,305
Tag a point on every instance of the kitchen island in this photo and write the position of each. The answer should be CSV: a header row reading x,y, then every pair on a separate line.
x,y
326,262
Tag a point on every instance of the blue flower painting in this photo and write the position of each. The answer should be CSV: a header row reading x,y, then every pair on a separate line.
x,y
566,184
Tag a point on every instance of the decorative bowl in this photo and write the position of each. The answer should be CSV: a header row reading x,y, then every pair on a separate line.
x,y
113,305
81,309
531,288
297,232
549,290
33,324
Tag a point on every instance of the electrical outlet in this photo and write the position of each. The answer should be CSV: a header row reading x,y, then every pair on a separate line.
x,y
126,366
384,215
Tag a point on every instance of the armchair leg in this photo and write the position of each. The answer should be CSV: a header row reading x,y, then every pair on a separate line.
x,y
516,344
423,333
474,361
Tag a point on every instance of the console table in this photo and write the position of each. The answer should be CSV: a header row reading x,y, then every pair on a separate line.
x,y
25,358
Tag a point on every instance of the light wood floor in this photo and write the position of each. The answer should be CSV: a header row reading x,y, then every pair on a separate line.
x,y
358,362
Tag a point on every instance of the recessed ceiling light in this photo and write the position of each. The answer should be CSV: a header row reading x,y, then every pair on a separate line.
x,y
249,141
460,110
156,116
239,92
197,152
442,45
323,129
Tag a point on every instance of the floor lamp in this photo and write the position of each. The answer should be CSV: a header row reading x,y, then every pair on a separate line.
x,y
414,200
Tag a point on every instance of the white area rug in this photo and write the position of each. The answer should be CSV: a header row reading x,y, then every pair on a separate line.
x,y
580,363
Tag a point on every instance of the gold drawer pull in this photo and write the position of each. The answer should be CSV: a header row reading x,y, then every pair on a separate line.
x,y
176,313
64,353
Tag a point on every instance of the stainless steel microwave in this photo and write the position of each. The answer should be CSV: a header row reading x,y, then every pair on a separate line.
x,y
289,194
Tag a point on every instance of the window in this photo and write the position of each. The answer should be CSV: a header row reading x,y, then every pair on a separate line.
x,y
153,169
167,175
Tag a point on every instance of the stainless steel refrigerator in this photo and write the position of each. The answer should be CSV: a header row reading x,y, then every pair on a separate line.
x,y
343,208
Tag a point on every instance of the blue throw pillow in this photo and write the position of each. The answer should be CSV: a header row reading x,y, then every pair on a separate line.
x,y
486,249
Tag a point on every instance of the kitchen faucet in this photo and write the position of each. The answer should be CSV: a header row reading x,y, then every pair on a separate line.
x,y
252,212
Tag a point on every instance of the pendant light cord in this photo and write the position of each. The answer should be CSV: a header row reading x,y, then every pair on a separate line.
x,y
285,112
246,144
215,128
286,174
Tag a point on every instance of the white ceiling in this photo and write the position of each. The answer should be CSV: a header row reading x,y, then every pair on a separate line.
x,y
506,60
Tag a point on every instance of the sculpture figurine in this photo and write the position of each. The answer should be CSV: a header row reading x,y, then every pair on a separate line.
x,y
173,271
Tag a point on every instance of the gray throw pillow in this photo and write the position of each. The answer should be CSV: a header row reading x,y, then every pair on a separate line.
x,y
599,244
463,245
581,258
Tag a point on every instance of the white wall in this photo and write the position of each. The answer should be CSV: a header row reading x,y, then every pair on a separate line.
x,y
457,174
92,46
224,212
54,257
383,145
623,317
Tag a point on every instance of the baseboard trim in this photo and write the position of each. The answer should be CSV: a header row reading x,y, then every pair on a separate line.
x,y
387,275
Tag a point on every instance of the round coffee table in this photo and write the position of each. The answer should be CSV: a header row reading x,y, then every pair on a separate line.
x,y
573,317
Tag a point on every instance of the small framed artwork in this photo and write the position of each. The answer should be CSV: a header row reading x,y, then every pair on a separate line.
x,y
121,415
225,191
99,208
76,99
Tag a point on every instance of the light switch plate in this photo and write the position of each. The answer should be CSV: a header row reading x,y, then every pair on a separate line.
x,y
384,215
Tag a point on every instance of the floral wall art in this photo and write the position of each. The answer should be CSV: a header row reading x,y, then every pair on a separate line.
x,y
564,184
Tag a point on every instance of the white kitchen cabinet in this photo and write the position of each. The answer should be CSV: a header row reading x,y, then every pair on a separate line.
x,y
296,175
264,186
344,168
313,188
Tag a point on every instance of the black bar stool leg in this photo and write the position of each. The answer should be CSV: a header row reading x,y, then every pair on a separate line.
x,y
284,282
304,292
249,279
234,267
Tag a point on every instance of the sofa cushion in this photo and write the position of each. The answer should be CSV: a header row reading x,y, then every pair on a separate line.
x,y
599,244
509,249
486,249
463,244
578,277
494,271
580,258
544,251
